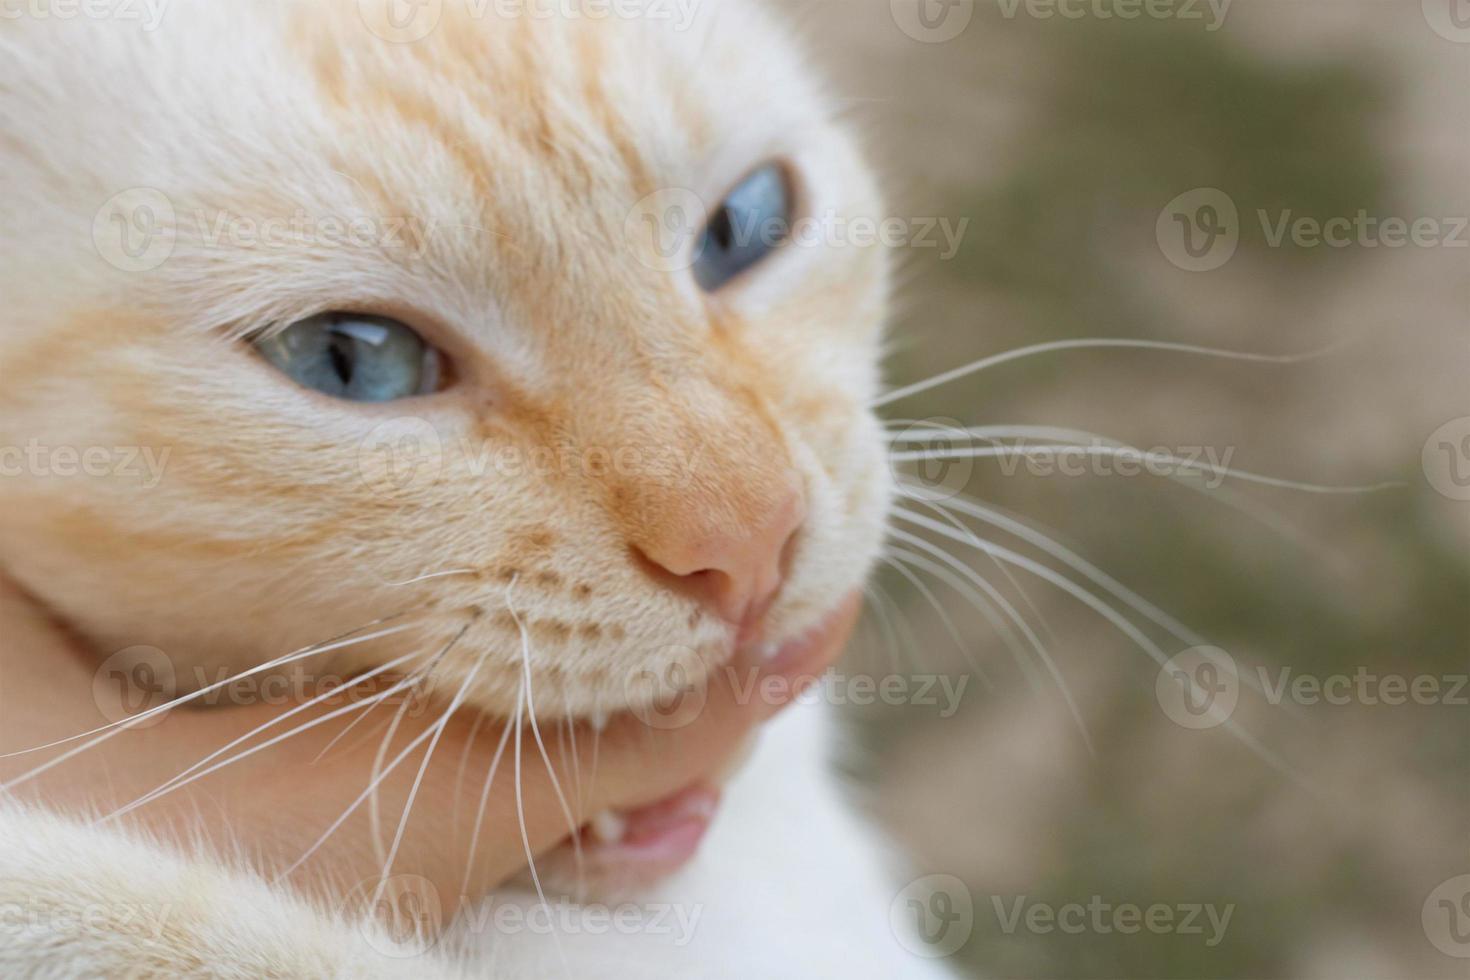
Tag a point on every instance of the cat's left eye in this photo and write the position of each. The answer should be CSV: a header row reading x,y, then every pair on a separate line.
x,y
355,358
752,222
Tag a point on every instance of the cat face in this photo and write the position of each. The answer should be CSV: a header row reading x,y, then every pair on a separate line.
x,y
603,438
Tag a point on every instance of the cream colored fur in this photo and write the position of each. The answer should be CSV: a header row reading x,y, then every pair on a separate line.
x,y
500,165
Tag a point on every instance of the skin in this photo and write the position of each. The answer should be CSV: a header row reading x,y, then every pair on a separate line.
x,y
275,804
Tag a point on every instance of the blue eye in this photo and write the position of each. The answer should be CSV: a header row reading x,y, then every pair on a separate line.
x,y
357,358
749,225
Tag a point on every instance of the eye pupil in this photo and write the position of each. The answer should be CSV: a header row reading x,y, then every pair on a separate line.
x,y
341,359
722,229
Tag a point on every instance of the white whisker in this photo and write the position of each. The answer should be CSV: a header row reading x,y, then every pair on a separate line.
x,y
438,729
272,722
536,732
1113,617
521,819
337,713
890,636
995,360
352,808
943,615
431,576
105,732
484,802
1005,571
464,762
1073,441
1037,645
987,609
1077,563
375,818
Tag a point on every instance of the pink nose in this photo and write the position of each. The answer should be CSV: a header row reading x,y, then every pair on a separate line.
x,y
735,573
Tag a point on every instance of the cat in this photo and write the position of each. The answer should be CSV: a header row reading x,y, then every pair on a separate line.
x,y
316,263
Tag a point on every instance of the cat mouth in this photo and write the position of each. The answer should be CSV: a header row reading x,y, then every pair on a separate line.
x,y
641,846
638,847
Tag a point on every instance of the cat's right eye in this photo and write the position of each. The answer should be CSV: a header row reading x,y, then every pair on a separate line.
x,y
355,358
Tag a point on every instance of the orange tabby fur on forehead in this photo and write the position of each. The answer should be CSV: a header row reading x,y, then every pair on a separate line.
x,y
509,155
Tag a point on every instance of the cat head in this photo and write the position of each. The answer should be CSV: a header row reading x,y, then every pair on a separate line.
x,y
542,332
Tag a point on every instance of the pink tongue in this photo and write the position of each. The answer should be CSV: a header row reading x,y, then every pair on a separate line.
x,y
687,810
662,837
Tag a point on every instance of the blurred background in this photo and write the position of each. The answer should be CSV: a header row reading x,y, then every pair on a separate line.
x,y
1159,177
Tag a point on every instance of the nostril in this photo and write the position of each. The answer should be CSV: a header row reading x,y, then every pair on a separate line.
x,y
733,573
705,586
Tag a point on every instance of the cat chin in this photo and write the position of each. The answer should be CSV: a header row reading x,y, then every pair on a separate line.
x,y
617,855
